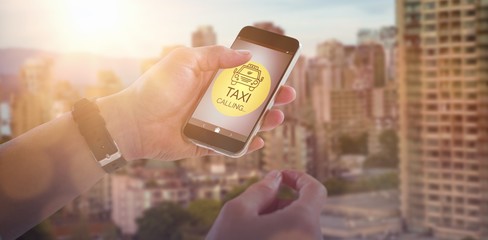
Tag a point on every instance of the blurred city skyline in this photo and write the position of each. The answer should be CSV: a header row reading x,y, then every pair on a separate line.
x,y
126,29
391,116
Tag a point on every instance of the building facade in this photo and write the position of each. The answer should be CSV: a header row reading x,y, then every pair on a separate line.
x,y
443,72
141,188
31,105
203,36
286,147
270,26
5,130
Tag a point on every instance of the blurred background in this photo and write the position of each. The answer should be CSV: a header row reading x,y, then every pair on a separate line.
x,y
391,113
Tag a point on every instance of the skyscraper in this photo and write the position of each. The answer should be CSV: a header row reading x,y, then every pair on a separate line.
x,y
5,130
203,36
107,83
144,187
286,147
443,78
269,26
31,106
387,37
344,77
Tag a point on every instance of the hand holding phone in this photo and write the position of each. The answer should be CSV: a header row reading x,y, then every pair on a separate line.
x,y
230,112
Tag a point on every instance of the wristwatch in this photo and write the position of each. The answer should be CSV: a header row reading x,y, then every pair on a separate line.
x,y
92,127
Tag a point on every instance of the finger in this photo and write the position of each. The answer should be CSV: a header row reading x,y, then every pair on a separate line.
x,y
215,57
311,192
256,144
286,95
283,203
273,118
260,195
277,204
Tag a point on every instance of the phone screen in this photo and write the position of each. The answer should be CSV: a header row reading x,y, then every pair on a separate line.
x,y
236,98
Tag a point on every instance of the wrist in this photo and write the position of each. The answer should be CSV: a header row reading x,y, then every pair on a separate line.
x,y
120,124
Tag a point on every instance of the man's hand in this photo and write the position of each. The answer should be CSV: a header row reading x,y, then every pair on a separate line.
x,y
259,214
147,118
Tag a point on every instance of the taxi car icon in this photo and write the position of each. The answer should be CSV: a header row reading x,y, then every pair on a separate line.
x,y
248,75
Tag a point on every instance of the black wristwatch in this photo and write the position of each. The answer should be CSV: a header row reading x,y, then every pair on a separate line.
x,y
92,127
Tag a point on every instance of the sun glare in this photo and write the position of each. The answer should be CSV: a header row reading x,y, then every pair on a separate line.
x,y
94,16
94,23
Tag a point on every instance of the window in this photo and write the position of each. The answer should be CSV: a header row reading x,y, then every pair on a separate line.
x,y
429,5
429,28
429,16
430,41
469,25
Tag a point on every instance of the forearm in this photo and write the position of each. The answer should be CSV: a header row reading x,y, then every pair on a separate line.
x,y
40,172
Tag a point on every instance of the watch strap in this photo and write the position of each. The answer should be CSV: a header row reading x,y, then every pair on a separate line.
x,y
92,127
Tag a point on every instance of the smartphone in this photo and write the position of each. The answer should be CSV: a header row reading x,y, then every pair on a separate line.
x,y
230,112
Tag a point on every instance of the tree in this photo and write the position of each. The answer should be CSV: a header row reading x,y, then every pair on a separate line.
x,y
354,145
163,221
335,187
205,211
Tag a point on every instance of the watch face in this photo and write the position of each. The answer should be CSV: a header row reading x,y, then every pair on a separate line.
x,y
115,162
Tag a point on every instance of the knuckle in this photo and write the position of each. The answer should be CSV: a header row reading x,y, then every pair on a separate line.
x,y
218,48
261,188
180,50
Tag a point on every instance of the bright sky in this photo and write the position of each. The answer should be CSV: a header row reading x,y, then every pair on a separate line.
x,y
140,28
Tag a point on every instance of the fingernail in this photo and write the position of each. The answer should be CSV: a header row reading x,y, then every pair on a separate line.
x,y
243,52
274,178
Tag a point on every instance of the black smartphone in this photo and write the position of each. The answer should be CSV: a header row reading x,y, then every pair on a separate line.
x,y
230,112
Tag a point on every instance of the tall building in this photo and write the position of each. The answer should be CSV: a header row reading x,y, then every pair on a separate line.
x,y
144,187
366,35
31,106
384,107
286,147
203,36
443,62
269,26
5,130
387,38
299,81
382,51
107,83
344,77
64,97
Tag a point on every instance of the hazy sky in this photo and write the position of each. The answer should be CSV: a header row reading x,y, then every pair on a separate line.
x,y
140,28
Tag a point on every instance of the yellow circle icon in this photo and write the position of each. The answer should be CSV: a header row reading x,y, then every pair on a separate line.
x,y
241,90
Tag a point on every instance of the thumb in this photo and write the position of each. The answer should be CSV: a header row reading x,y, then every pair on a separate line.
x,y
261,194
215,57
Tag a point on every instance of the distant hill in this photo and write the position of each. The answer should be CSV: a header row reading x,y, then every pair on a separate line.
x,y
12,58
80,69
